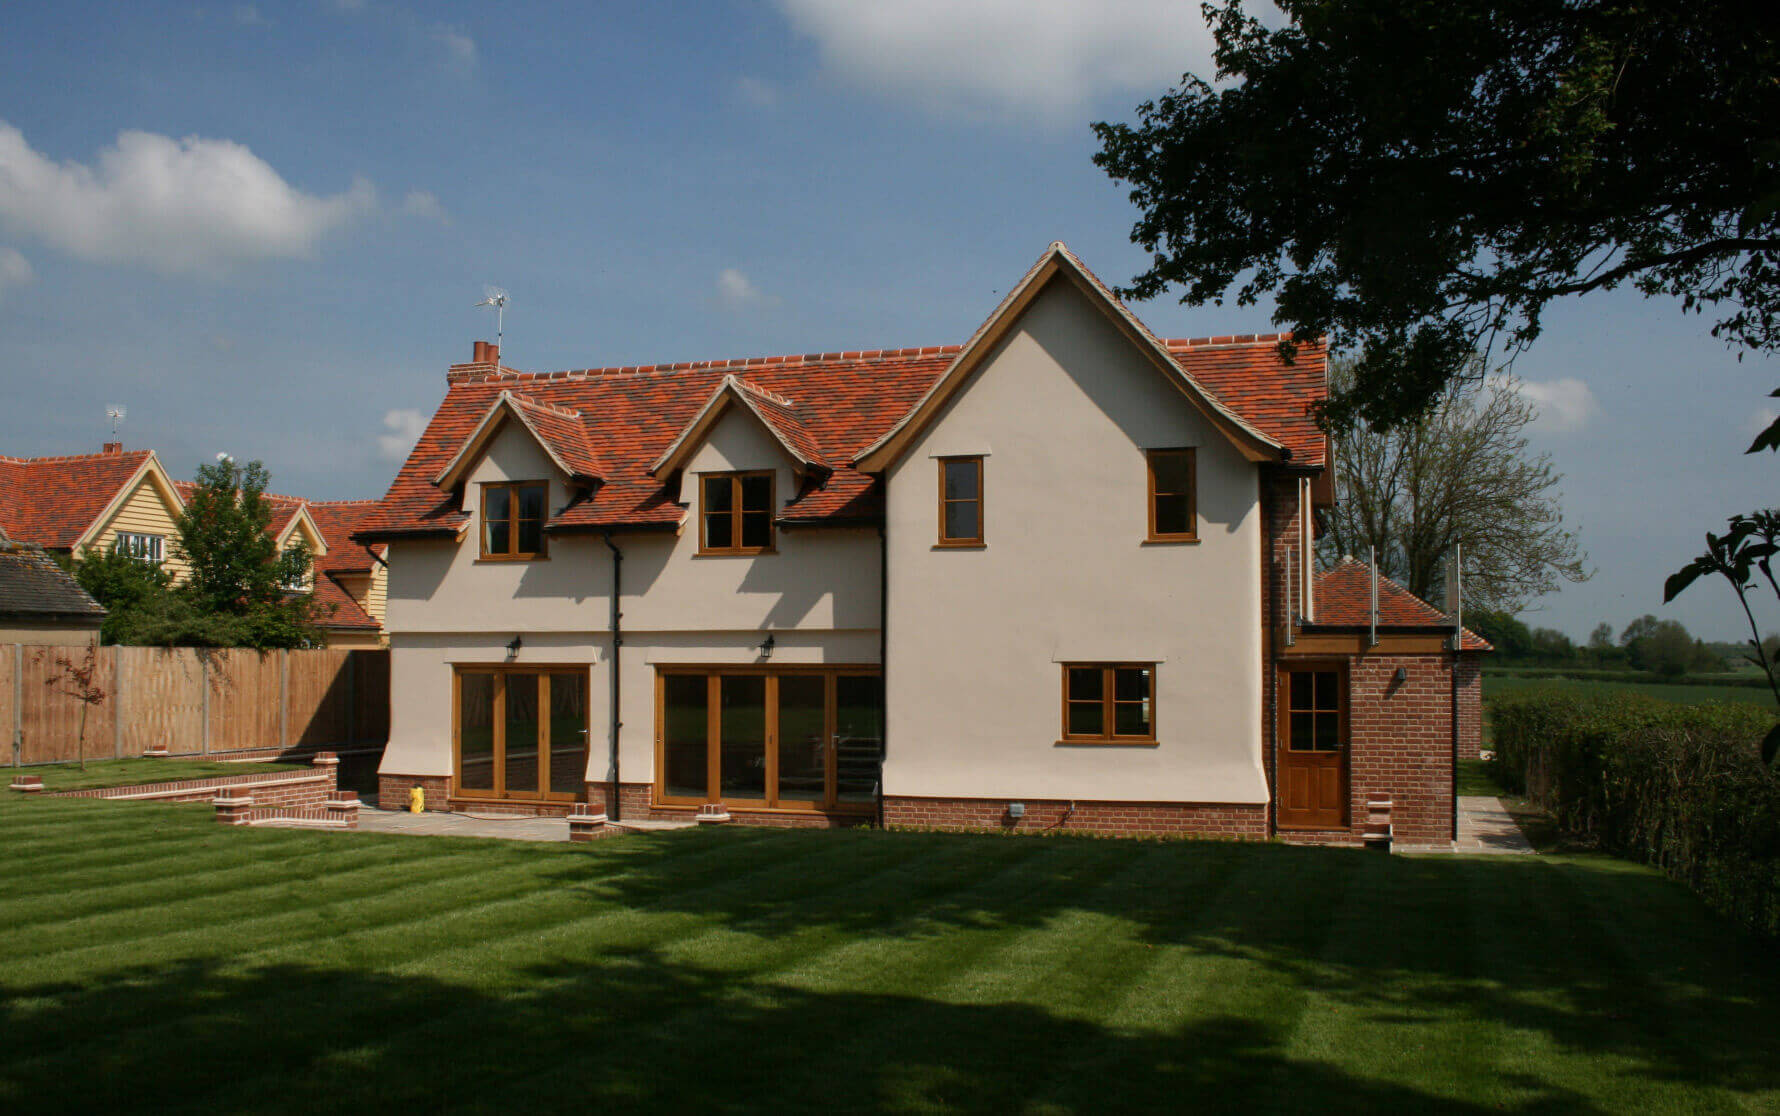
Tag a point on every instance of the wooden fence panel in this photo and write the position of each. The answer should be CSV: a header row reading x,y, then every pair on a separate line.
x,y
244,700
6,708
162,692
319,694
51,717
371,696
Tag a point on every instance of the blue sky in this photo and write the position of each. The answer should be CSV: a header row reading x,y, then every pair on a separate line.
x,y
262,228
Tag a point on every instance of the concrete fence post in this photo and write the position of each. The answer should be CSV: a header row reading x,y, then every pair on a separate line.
x,y
18,703
117,702
284,699
204,702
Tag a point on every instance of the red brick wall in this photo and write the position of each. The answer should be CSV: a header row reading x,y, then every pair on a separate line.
x,y
1129,819
633,799
1470,682
1400,744
392,791
267,788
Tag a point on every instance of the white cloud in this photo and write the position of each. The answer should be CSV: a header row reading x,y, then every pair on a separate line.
x,y
1565,404
460,49
756,93
421,203
404,427
15,269
736,290
188,205
1038,58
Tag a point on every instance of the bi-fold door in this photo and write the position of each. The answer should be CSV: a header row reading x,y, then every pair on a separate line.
x,y
521,733
777,739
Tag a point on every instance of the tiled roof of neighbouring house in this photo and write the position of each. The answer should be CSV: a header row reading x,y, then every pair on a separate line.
x,y
1344,600
337,520
51,501
829,406
32,586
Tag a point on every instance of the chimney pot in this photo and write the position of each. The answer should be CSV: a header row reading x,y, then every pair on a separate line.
x,y
478,352
494,353
113,448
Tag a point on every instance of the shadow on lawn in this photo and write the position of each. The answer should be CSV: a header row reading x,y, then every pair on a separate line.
x,y
634,1032
1639,969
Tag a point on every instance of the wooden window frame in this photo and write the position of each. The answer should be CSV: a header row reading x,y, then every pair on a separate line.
x,y
974,542
499,740
774,802
159,546
735,514
1108,706
1191,535
1283,701
514,555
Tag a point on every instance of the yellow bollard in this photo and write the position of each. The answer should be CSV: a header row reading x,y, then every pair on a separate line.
x,y
416,800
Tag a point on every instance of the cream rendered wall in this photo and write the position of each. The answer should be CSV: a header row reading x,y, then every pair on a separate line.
x,y
1063,410
817,593
147,511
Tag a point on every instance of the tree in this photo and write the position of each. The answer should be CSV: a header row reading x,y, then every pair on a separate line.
x,y
237,587
236,595
77,680
1417,180
1460,475
1506,632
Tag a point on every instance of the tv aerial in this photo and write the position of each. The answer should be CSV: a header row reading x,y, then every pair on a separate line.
x,y
116,413
496,298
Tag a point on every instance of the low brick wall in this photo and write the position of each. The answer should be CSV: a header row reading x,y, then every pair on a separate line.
x,y
1400,746
1126,819
311,788
392,791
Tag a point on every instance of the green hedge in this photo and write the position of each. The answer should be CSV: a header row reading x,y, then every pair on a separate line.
x,y
1678,786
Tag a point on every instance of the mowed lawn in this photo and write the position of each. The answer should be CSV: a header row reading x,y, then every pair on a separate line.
x,y
152,960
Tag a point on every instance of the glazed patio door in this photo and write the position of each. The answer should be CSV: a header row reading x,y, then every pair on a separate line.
x,y
769,739
1313,748
521,733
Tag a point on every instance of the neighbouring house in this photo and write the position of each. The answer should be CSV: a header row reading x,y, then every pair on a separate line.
x,y
125,499
39,602
1057,577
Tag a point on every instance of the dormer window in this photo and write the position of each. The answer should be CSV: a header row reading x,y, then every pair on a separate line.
x,y
513,520
297,582
736,513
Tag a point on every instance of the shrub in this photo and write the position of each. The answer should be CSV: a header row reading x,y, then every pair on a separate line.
x,y
1678,786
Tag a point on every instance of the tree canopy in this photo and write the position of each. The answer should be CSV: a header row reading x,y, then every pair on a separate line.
x,y
1417,180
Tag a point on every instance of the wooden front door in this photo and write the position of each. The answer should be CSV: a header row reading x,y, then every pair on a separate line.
x,y
1313,747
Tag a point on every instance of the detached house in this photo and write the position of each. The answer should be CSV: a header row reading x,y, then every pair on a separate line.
x,y
1057,577
126,500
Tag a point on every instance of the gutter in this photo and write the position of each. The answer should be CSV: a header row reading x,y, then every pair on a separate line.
x,y
613,807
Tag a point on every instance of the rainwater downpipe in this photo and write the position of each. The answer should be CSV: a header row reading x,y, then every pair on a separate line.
x,y
613,809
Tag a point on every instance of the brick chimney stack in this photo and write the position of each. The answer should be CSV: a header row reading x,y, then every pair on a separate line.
x,y
485,353
112,449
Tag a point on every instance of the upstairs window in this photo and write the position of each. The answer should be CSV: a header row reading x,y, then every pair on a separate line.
x,y
143,548
513,520
1109,703
296,582
736,513
961,501
1174,509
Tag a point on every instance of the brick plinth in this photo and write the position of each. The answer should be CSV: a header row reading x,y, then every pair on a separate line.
x,y
632,800
392,791
1128,819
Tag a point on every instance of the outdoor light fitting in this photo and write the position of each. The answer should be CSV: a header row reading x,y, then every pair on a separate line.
x,y
766,646
513,648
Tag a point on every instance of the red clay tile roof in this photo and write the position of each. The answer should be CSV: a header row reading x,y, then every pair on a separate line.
x,y
1246,374
1344,600
51,501
829,406
337,520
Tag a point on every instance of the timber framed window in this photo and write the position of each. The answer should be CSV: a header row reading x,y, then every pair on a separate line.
x,y
736,512
513,520
961,501
520,732
143,548
1173,500
807,739
1109,703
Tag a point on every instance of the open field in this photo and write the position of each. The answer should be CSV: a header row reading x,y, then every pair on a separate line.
x,y
1497,684
156,961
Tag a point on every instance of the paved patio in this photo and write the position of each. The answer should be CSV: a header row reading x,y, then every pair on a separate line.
x,y
1485,826
517,828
